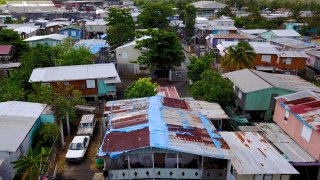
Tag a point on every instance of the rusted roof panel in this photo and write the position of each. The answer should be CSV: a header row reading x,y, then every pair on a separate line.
x,y
168,91
254,155
175,103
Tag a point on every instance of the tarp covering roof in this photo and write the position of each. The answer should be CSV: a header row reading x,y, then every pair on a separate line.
x,y
16,120
163,123
94,45
254,155
77,72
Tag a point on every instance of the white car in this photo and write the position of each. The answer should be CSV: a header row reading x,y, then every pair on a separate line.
x,y
77,149
87,125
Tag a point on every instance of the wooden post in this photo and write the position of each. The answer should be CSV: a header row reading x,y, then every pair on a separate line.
x,y
68,123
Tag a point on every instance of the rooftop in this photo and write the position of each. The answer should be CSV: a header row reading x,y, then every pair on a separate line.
x,y
305,105
94,45
209,5
72,27
286,33
229,36
294,43
97,22
58,23
5,49
134,42
87,118
58,37
259,47
315,53
107,72
25,29
30,3
262,80
253,31
293,54
289,148
254,155
160,122
16,120
168,91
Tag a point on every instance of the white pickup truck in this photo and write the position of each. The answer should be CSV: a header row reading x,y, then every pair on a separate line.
x,y
87,125
77,149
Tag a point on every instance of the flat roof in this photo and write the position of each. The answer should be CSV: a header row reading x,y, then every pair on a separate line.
x,y
77,72
16,120
254,155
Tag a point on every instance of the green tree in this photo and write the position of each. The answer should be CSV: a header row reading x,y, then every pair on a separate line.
x,y
121,28
8,20
155,15
295,9
189,19
239,57
46,135
199,65
74,56
213,88
11,89
164,50
143,87
10,37
225,12
29,166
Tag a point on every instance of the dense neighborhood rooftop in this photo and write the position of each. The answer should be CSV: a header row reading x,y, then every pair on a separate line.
x,y
293,43
58,37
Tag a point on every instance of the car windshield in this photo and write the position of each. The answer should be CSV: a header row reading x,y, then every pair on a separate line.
x,y
76,146
85,125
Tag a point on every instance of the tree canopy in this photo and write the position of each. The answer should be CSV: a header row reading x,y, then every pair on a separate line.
x,y
10,37
213,88
199,65
154,15
189,19
121,28
164,50
143,87
239,57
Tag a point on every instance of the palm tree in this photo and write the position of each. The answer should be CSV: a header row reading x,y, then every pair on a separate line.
x,y
30,166
239,57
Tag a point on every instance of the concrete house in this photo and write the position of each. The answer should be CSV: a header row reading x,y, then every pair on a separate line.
x,y
49,40
208,8
75,32
127,55
291,61
281,33
298,115
96,28
93,80
256,90
55,26
18,122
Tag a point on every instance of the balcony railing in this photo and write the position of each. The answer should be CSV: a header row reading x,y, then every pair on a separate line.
x,y
167,173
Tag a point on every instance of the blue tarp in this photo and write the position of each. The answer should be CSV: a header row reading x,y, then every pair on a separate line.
x,y
94,45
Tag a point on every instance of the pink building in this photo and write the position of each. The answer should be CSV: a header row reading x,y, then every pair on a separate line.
x,y
298,114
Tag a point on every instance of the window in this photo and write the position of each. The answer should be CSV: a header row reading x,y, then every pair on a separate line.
x,y
288,60
51,29
286,116
73,33
306,133
91,84
266,58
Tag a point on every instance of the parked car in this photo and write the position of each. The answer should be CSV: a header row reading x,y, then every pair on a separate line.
x,y
77,149
87,125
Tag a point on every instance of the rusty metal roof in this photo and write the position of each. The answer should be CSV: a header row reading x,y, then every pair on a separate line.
x,y
168,91
254,155
305,105
160,122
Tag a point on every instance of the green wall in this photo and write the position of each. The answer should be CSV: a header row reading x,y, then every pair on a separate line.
x,y
46,118
49,42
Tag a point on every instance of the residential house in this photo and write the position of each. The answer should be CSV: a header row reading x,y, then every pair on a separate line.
x,y
49,40
75,32
26,32
92,80
30,6
293,24
7,53
162,138
127,56
208,8
255,158
299,158
54,27
96,28
291,61
18,122
255,90
253,34
298,115
313,63
266,54
289,44
281,33
97,47
215,39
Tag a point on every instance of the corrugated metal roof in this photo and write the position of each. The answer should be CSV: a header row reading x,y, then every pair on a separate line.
x,y
94,45
209,5
259,47
253,31
291,150
16,120
148,122
60,23
78,72
58,37
254,155
261,80
5,49
294,43
292,54
286,33
134,42
229,36
87,118
97,22
315,53
10,65
168,91
25,29
212,111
